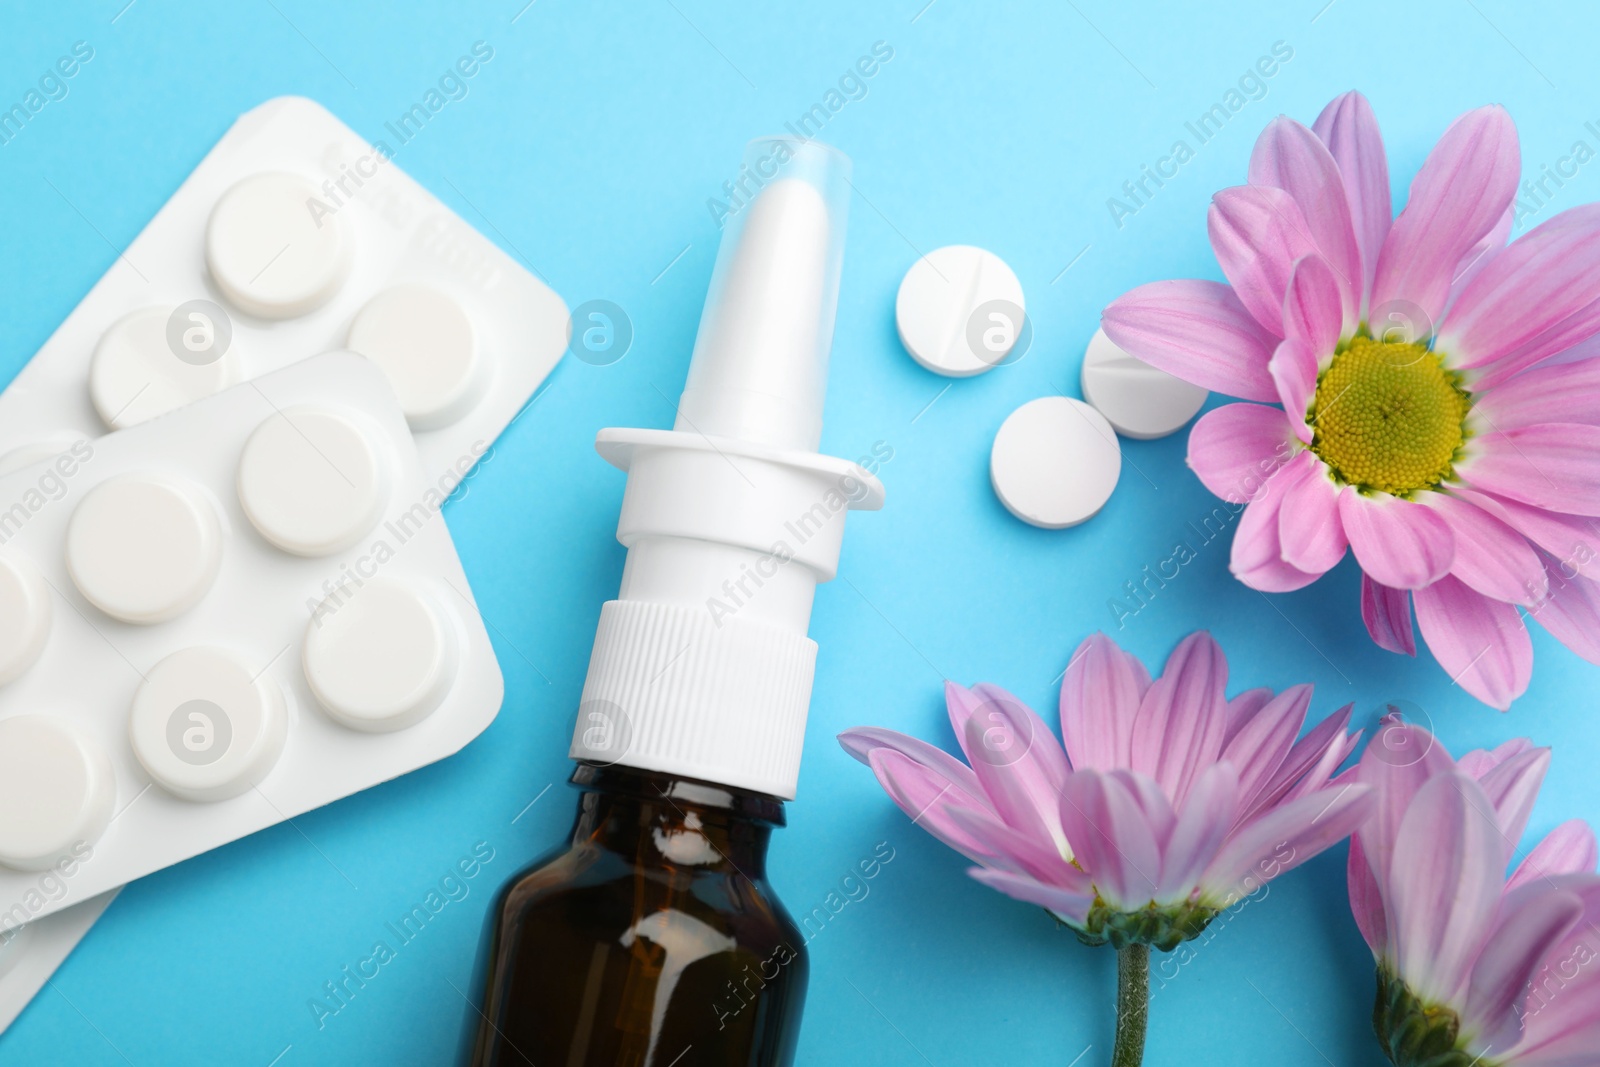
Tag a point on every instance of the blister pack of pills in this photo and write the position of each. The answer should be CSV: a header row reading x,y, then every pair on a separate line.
x,y
218,620
295,237
30,954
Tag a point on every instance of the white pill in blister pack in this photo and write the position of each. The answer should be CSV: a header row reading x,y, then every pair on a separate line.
x,y
1139,400
294,237
221,619
30,954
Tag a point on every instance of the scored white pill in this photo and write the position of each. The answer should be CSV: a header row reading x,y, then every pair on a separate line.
x,y
24,616
269,255
144,548
1141,401
960,311
57,791
425,342
380,657
136,375
1055,462
206,725
311,481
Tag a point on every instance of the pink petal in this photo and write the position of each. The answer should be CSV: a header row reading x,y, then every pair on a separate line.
x,y
1565,342
1481,254
1284,838
1540,279
1017,760
1112,839
1400,760
1481,643
1289,156
1181,721
1100,695
926,796
1568,849
862,740
1073,907
1562,392
1242,711
1259,747
1366,902
1310,533
1573,540
1490,556
1481,761
1011,850
1257,234
1294,372
1550,466
1387,613
1256,558
1444,888
1401,544
1350,130
1198,331
1311,761
1571,610
1152,803
1311,310
1512,787
1201,829
1531,923
1234,449
1463,188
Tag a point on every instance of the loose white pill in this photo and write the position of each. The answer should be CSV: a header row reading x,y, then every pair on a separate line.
x,y
206,726
24,616
425,342
1055,462
136,375
269,255
380,657
960,311
311,481
57,791
1140,401
144,548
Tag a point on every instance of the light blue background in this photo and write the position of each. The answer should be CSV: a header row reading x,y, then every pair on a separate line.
x,y
591,143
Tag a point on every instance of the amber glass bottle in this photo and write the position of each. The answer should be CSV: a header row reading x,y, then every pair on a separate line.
x,y
652,940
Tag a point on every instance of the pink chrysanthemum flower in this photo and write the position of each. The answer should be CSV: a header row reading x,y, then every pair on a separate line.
x,y
1168,803
1440,407
1474,968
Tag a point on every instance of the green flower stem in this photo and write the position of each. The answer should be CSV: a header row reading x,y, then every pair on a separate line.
x,y
1133,1004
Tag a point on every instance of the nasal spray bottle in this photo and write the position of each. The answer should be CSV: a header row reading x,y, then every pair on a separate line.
x,y
654,939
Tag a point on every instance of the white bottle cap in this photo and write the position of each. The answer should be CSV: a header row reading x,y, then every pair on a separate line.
x,y
701,666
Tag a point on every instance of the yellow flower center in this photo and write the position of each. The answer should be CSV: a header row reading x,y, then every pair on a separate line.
x,y
1388,416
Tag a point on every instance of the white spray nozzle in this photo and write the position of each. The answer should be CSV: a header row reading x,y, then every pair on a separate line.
x,y
701,666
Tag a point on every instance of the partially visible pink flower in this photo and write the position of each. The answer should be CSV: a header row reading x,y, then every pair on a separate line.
x,y
1473,965
1167,804
1440,397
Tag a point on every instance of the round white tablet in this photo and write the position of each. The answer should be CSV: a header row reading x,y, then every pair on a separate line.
x,y
205,726
380,657
57,791
1140,401
960,311
269,255
24,615
1055,462
135,375
311,481
425,342
144,548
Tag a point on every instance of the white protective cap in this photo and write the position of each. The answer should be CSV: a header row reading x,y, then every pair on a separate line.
x,y
701,666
